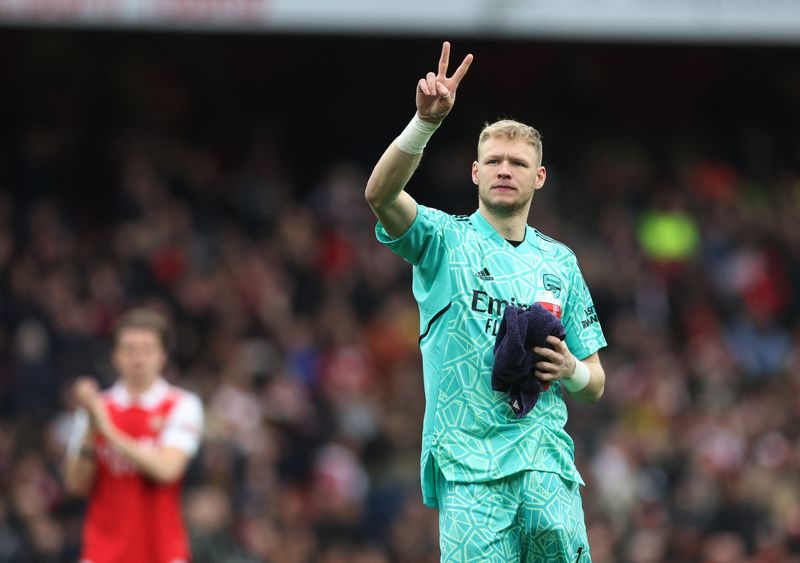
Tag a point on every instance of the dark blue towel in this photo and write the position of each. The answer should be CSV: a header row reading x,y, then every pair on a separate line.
x,y
521,329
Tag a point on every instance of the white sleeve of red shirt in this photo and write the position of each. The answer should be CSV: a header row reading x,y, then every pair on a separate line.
x,y
80,424
184,425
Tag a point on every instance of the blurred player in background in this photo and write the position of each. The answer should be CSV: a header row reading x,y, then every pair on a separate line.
x,y
506,487
130,448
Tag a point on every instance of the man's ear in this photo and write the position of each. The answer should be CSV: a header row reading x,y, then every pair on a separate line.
x,y
541,177
475,172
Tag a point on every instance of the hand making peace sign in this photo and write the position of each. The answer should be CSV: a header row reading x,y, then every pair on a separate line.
x,y
436,93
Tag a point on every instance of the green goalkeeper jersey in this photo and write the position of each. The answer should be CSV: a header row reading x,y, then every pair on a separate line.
x,y
465,274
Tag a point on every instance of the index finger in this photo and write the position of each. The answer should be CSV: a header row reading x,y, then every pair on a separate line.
x,y
462,69
444,59
546,353
554,340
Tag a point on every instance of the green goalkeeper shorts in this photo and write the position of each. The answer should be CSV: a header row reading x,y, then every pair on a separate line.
x,y
528,517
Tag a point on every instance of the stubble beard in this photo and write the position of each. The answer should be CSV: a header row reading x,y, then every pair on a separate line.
x,y
504,209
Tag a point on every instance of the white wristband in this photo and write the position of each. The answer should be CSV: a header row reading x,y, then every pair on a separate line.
x,y
416,135
579,378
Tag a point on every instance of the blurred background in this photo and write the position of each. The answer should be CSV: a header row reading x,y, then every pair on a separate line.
x,y
209,159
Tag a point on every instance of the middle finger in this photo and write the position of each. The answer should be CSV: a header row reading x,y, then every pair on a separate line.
x,y
547,353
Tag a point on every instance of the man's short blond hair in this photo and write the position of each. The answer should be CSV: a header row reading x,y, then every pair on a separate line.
x,y
512,130
144,319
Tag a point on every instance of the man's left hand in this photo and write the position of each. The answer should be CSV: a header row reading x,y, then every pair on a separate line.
x,y
559,362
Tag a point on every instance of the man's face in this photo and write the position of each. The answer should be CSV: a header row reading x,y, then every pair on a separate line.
x,y
139,356
507,173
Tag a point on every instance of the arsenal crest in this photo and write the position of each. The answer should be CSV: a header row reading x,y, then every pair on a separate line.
x,y
552,284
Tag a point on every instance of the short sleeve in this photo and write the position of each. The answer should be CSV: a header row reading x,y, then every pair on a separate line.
x,y
184,425
584,334
80,425
423,242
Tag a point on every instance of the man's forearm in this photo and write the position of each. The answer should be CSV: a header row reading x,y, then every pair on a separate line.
x,y
597,381
392,205
398,163
164,466
79,470
390,175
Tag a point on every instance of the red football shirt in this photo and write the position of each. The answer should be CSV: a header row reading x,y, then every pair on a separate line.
x,y
131,518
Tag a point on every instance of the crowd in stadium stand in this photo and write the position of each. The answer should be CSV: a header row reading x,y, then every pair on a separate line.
x,y
299,332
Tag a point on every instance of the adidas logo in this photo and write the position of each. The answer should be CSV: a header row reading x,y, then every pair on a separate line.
x,y
484,275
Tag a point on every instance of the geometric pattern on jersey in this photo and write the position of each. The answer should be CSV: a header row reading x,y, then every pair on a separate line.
x,y
464,275
531,517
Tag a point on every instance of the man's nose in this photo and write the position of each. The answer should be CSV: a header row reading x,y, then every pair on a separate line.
x,y
504,171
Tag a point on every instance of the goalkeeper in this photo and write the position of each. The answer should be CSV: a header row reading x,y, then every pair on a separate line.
x,y
504,482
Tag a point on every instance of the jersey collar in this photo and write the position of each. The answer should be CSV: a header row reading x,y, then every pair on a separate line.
x,y
149,399
485,229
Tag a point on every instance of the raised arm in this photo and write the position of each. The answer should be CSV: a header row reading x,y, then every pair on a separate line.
x,y
435,96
